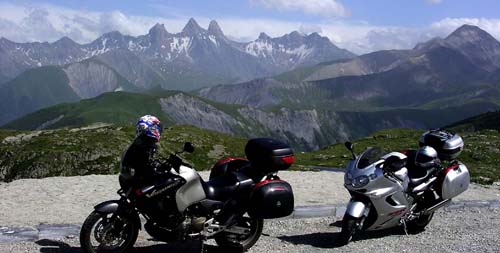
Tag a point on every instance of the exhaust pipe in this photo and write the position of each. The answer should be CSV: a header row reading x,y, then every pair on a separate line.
x,y
436,206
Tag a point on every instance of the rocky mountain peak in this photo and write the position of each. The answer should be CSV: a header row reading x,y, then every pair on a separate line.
x,y
469,34
158,33
113,35
158,29
65,41
478,45
264,36
192,27
315,37
214,28
295,35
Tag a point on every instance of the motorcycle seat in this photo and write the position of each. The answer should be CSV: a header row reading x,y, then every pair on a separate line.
x,y
416,174
414,181
226,186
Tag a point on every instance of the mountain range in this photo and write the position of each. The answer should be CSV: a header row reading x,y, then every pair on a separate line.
x,y
440,73
305,129
323,99
190,59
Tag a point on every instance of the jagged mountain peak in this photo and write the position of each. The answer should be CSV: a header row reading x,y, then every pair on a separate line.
x,y
264,36
314,35
158,28
65,39
214,28
157,33
192,27
296,34
114,35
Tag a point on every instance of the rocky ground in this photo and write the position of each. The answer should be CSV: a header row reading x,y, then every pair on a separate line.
x,y
60,200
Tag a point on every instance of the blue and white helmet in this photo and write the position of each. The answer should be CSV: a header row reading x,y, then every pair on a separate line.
x,y
150,126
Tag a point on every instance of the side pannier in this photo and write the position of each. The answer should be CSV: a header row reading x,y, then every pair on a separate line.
x,y
271,199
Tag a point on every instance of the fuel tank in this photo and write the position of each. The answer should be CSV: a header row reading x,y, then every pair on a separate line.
x,y
192,191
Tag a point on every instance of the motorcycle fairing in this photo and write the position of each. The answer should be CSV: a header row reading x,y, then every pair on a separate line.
x,y
192,191
386,194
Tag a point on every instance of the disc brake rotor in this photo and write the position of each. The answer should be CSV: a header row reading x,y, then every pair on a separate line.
x,y
105,235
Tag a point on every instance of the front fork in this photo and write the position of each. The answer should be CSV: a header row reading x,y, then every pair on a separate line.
x,y
358,210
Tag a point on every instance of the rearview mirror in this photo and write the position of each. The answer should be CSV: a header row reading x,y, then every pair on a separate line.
x,y
188,147
349,145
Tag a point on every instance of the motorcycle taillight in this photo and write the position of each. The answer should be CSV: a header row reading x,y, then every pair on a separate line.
x,y
288,159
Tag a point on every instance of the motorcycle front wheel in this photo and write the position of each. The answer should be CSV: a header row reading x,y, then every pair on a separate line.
x,y
350,225
250,231
105,232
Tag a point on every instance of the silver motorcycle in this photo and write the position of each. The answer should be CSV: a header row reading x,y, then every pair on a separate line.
x,y
385,195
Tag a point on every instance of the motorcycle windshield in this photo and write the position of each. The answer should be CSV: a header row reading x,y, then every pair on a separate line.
x,y
370,156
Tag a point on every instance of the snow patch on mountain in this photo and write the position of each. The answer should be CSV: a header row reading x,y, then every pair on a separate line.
x,y
259,48
180,45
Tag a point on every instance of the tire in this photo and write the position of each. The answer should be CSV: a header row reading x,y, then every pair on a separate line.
x,y
96,219
350,226
418,225
228,241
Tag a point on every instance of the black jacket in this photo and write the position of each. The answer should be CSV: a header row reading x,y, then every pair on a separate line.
x,y
139,157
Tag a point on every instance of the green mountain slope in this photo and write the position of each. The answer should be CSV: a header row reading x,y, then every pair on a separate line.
x,y
489,120
97,150
46,86
113,108
34,89
304,129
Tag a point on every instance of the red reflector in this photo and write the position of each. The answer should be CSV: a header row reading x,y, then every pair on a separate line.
x,y
288,159
279,188
452,167
138,192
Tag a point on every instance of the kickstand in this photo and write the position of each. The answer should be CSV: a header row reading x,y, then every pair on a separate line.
x,y
404,226
202,246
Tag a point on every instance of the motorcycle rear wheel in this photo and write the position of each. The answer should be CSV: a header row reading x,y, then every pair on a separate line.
x,y
228,241
418,225
350,225
96,234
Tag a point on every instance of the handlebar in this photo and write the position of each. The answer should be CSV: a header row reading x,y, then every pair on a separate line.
x,y
172,162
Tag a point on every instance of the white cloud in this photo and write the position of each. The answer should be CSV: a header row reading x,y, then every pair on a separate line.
x,y
324,8
448,25
434,1
49,23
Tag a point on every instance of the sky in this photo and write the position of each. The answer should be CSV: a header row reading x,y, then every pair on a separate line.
x,y
360,26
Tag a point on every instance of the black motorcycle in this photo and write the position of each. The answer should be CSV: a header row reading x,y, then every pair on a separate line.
x,y
179,205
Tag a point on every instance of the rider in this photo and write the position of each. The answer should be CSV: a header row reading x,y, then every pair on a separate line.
x,y
138,165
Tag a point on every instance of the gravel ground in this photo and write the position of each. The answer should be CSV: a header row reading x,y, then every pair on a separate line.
x,y
62,200
461,230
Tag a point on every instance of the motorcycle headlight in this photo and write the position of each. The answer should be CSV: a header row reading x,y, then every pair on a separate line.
x,y
348,178
360,181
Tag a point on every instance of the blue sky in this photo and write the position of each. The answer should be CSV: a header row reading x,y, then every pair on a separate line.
x,y
358,25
